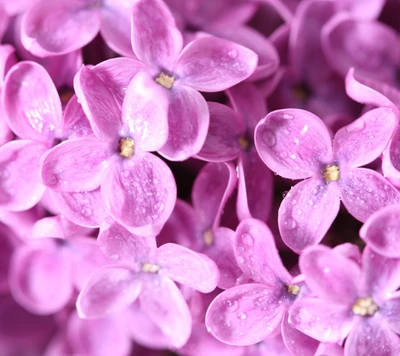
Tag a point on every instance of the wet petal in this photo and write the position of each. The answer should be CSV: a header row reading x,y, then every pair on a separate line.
x,y
145,113
365,138
57,28
188,121
188,267
244,315
31,102
62,171
76,124
140,193
110,289
307,212
20,182
155,38
170,313
213,64
364,191
390,310
293,143
330,275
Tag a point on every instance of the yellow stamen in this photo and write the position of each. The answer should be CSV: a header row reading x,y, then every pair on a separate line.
x,y
208,238
244,142
292,288
331,173
165,80
126,147
150,267
364,306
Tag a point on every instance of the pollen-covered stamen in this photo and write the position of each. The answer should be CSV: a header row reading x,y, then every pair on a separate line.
x,y
126,147
292,288
364,307
331,173
244,142
208,237
150,268
165,80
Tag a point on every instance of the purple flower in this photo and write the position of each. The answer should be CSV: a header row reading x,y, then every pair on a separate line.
x,y
296,144
137,187
356,302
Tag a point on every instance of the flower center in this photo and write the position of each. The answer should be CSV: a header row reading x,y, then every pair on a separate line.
x,y
244,142
126,147
364,306
208,237
292,288
331,173
165,80
150,268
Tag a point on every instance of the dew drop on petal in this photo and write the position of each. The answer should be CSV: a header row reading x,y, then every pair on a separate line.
x,y
86,211
287,116
241,316
269,138
233,306
247,239
233,53
240,260
290,224
356,126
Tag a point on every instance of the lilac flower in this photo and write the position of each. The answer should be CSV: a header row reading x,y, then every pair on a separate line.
x,y
359,304
54,28
137,187
146,274
296,144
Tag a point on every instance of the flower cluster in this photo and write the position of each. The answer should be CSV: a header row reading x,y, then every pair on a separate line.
x,y
172,172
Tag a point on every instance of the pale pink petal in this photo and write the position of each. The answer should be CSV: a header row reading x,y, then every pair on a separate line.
x,y
31,102
244,315
381,231
188,120
391,159
57,226
76,124
188,267
361,9
50,27
213,64
293,143
98,103
372,338
257,255
364,139
225,130
307,212
75,165
326,322
84,208
170,312
155,38
110,289
41,276
20,182
330,275
145,113
7,57
364,191
140,193
390,310
119,244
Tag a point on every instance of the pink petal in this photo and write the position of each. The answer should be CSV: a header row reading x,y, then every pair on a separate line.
x,y
98,103
390,310
7,57
75,165
144,118
222,142
50,28
140,193
84,208
76,124
364,10
244,315
213,64
41,277
330,275
155,38
257,254
326,322
20,183
307,212
293,143
364,139
381,231
370,337
118,243
391,159
188,267
363,192
57,226
4,19
31,102
110,289
166,307
188,120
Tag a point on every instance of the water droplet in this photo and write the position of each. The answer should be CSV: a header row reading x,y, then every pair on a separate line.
x,y
242,316
304,129
285,193
86,211
114,256
326,270
293,156
247,239
287,116
233,306
356,126
159,207
269,138
233,53
240,260
286,132
290,224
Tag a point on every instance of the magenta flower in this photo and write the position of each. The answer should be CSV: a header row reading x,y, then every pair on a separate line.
x,y
146,273
296,144
137,187
352,302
